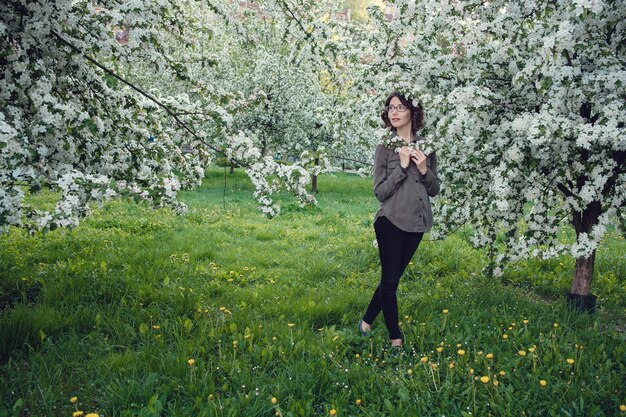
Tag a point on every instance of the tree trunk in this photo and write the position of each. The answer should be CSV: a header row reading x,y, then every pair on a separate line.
x,y
580,295
314,181
583,275
232,166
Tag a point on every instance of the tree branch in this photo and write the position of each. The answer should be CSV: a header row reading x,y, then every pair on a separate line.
x,y
170,112
349,159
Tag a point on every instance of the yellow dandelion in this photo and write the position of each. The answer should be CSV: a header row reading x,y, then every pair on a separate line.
x,y
434,366
74,400
458,345
332,412
484,379
471,371
522,353
495,383
424,359
505,336
92,415
451,366
525,321
191,362
410,372
77,413
439,349
357,356
555,325
445,311
622,408
235,343
358,402
570,361
532,349
510,328
502,373
543,382
489,355
461,352
274,401
479,353
291,324
211,397
156,327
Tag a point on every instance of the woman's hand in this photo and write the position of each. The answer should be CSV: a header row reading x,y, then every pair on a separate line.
x,y
405,157
419,159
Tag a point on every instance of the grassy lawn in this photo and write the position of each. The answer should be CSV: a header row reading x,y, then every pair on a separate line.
x,y
222,312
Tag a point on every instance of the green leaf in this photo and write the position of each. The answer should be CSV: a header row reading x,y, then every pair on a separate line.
x,y
388,405
403,393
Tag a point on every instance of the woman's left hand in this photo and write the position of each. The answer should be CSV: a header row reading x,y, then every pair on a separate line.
x,y
419,159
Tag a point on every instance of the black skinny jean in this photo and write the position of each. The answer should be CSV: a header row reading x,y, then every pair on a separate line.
x,y
396,248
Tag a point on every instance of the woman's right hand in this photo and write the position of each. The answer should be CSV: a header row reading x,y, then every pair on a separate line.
x,y
405,157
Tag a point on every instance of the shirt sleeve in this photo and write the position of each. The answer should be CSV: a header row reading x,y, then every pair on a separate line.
x,y
430,180
386,185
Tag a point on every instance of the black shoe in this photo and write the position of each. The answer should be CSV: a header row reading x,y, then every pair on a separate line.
x,y
363,332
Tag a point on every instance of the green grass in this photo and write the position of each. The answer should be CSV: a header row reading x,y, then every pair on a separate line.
x,y
112,311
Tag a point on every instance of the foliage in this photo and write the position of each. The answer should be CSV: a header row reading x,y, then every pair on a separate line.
x,y
128,99
141,312
524,101
526,108
70,122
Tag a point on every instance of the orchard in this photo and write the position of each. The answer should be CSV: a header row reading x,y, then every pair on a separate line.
x,y
116,104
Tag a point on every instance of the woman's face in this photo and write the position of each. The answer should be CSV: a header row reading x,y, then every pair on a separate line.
x,y
398,119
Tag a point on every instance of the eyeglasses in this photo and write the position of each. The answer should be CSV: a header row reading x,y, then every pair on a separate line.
x,y
400,108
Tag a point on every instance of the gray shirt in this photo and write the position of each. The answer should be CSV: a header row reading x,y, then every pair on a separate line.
x,y
404,194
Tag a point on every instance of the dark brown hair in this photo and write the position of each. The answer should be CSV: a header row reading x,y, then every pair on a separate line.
x,y
417,112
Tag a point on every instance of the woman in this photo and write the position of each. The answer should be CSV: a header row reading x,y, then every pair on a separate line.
x,y
404,180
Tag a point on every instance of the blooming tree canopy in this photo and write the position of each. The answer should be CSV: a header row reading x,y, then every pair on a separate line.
x,y
125,98
526,105
70,120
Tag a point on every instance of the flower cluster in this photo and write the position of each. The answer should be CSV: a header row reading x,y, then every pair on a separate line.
x,y
396,143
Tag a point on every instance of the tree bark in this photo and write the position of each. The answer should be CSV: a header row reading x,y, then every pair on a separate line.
x,y
314,181
232,166
583,273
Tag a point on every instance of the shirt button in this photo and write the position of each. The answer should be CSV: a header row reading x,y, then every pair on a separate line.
x,y
417,180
